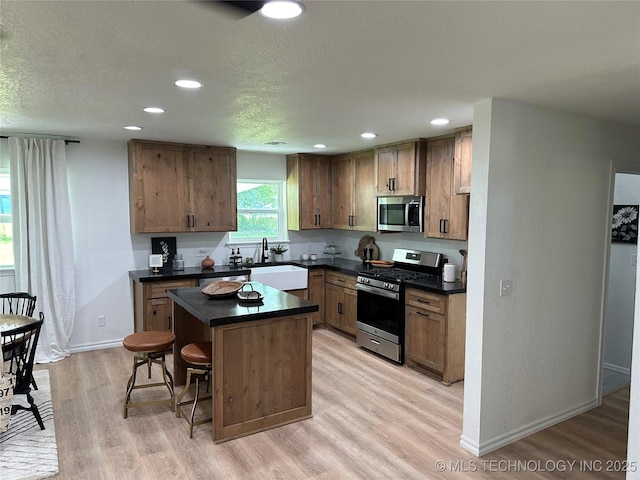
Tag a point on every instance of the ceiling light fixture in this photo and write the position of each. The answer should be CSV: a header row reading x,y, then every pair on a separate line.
x,y
275,143
281,10
368,135
153,110
188,83
439,121
320,145
133,127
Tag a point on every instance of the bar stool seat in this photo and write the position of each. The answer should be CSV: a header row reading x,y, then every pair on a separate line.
x,y
149,348
199,355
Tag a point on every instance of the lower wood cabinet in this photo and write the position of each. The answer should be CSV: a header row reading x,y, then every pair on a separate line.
x,y
315,290
435,333
340,301
152,309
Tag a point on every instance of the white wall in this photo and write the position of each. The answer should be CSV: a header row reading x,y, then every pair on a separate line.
x,y
539,217
633,443
622,286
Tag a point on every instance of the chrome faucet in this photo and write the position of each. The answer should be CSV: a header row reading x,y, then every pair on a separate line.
x,y
265,250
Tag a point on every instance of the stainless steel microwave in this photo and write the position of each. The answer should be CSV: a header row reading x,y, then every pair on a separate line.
x,y
401,214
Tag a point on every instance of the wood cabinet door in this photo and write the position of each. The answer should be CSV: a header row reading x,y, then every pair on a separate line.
x,y
161,188
342,182
213,189
322,192
462,168
405,162
349,311
424,338
364,195
307,189
384,170
158,314
315,289
333,304
439,186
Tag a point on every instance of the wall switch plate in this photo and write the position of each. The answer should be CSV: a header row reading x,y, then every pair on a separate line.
x,y
101,321
505,287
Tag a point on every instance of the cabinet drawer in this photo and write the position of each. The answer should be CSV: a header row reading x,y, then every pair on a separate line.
x,y
426,301
341,279
159,289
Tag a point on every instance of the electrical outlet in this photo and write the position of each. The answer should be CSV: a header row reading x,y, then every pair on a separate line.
x,y
202,252
505,287
101,320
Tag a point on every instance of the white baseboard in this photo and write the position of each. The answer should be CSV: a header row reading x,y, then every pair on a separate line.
x,y
617,368
87,347
522,432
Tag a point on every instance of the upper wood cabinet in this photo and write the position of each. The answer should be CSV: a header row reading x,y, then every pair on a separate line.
x,y
462,162
399,168
446,214
308,191
353,191
176,187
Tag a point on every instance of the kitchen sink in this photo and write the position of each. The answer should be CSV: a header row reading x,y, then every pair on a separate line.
x,y
282,277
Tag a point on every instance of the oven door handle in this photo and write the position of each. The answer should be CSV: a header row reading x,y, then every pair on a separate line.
x,y
377,291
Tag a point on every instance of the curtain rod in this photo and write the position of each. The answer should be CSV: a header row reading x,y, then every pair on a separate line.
x,y
66,142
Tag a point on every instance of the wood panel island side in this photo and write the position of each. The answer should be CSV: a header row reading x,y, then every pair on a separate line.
x,y
261,374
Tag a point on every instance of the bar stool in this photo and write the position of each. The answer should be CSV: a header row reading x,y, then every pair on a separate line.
x,y
149,347
199,355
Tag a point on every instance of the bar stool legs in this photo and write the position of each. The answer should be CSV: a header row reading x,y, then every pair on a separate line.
x,y
199,355
149,348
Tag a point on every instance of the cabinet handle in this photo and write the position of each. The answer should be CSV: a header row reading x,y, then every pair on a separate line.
x,y
193,221
394,183
188,221
319,222
340,308
423,301
374,341
440,229
446,226
423,314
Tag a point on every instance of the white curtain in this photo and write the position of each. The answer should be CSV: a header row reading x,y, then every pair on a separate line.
x,y
42,238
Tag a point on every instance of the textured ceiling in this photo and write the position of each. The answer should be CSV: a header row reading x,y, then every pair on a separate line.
x,y
84,69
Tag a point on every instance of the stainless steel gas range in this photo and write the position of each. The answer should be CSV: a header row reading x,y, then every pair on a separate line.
x,y
380,297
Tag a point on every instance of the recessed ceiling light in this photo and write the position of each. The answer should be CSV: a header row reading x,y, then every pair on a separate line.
x,y
368,135
281,10
153,110
188,83
439,121
320,145
133,127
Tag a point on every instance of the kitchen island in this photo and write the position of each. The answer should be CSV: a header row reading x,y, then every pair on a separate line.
x,y
261,375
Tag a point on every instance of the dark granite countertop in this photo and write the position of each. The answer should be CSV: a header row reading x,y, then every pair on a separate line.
x,y
223,311
147,275
350,267
353,267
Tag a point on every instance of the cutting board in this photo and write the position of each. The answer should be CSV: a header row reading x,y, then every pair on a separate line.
x,y
364,241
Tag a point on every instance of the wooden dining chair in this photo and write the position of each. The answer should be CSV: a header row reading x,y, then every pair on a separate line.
x,y
18,352
19,303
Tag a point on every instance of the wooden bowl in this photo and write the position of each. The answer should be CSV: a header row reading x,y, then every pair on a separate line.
x,y
222,289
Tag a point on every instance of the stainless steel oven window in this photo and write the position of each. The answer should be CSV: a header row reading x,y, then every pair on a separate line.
x,y
381,312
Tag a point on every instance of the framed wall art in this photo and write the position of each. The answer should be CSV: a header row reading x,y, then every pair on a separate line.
x,y
624,224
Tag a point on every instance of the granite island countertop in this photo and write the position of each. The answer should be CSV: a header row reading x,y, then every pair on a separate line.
x,y
223,311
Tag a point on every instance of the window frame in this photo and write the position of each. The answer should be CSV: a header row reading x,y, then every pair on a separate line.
x,y
283,232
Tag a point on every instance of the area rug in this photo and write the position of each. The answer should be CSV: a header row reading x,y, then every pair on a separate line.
x,y
26,452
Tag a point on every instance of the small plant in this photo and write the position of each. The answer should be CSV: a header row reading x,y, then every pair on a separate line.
x,y
279,249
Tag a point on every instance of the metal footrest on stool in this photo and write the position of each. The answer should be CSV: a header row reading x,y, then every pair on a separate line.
x,y
149,358
204,373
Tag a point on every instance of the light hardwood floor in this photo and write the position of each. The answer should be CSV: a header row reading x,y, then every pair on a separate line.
x,y
372,420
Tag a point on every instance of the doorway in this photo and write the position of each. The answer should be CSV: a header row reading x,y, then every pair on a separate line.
x,y
620,303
